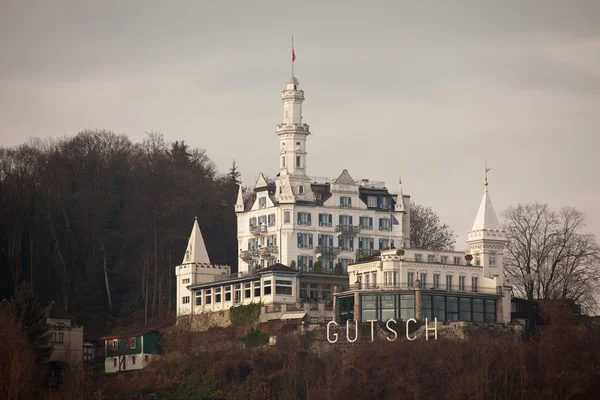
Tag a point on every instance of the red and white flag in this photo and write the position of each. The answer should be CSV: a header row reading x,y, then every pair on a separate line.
x,y
293,55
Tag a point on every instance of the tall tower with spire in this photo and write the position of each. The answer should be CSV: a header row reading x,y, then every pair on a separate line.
x,y
292,133
486,240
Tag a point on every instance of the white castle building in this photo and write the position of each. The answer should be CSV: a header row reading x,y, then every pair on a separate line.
x,y
304,239
447,285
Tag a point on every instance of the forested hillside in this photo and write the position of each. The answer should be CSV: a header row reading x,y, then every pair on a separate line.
x,y
98,223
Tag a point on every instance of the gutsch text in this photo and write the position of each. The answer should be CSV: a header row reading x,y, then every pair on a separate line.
x,y
333,338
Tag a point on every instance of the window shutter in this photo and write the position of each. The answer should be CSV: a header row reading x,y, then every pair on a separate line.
x,y
268,241
380,244
319,241
360,243
309,218
370,223
380,224
372,244
350,202
360,222
249,244
299,266
299,240
274,240
310,240
273,219
330,240
340,242
350,220
341,201
351,244
269,219
331,263
310,262
379,202
320,219
299,218
330,220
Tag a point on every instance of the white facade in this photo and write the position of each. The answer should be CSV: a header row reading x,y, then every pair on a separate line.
x,y
65,337
477,272
195,268
300,220
277,284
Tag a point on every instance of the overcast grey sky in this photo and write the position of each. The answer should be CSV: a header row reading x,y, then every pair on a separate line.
x,y
426,89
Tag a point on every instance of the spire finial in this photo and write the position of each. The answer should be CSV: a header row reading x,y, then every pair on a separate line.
x,y
486,171
400,179
196,217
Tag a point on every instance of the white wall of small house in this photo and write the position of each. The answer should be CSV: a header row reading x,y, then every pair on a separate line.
x,y
190,274
111,364
265,299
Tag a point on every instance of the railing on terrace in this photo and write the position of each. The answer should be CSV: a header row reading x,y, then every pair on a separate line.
x,y
324,270
348,229
463,262
442,288
235,276
367,252
258,229
328,250
248,254
269,250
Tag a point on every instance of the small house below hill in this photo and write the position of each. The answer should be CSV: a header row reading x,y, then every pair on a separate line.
x,y
130,351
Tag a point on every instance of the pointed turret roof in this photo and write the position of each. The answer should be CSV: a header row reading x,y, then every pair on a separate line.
x,y
400,200
239,204
196,250
486,216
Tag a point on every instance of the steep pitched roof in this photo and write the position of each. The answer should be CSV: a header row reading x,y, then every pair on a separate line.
x,y
486,216
196,250
345,178
54,310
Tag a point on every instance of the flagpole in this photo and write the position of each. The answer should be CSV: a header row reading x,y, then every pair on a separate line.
x,y
292,56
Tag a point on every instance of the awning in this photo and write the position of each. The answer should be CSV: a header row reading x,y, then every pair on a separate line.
x,y
297,315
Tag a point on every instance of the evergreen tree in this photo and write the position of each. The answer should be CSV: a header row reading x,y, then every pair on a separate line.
x,y
25,309
233,181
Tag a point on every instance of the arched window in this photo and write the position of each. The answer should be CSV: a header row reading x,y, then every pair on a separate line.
x,y
280,189
301,189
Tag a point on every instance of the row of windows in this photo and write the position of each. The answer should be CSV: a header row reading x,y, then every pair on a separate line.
x,y
130,342
369,279
454,308
325,219
247,290
305,263
389,306
268,220
270,240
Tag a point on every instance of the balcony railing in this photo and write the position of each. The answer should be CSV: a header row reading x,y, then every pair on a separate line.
x,y
348,229
427,288
258,229
249,254
269,251
340,270
367,252
234,276
449,262
327,251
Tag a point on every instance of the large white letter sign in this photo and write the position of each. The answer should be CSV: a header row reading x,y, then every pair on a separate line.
x,y
407,326
348,331
387,325
372,321
434,329
335,335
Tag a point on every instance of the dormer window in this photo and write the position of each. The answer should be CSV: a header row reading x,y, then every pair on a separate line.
x,y
262,202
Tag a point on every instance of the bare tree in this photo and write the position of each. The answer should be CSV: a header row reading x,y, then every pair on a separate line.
x,y
427,231
549,257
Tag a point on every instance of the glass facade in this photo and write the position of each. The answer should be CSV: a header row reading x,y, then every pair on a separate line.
x,y
456,308
345,309
382,307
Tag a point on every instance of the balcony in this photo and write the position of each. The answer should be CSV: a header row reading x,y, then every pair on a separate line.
x,y
348,230
248,255
327,251
258,230
429,288
269,251
367,252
